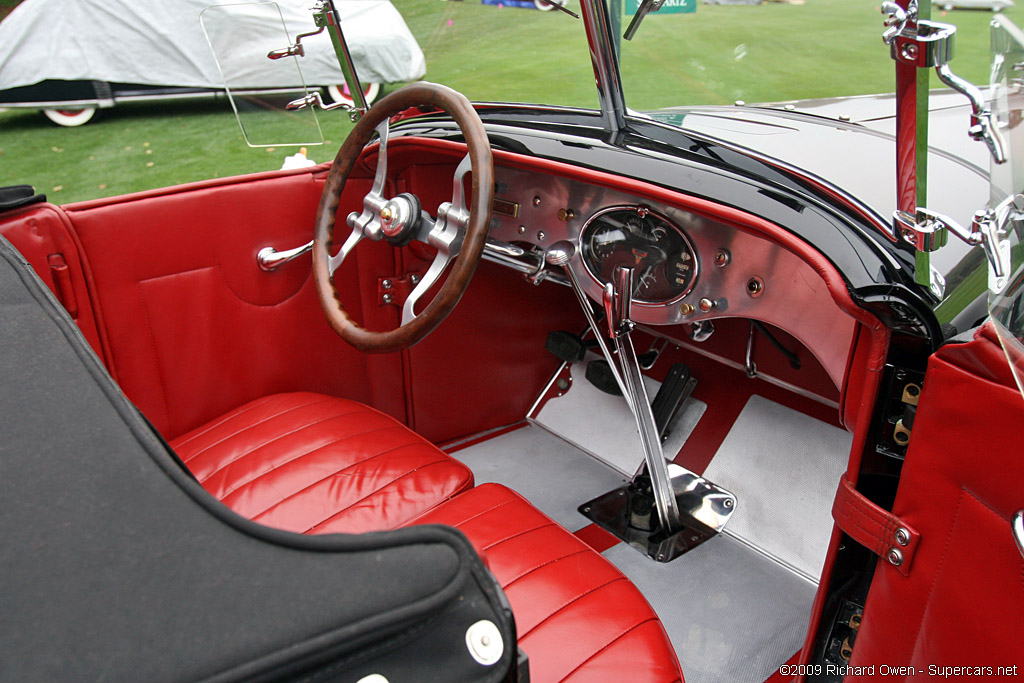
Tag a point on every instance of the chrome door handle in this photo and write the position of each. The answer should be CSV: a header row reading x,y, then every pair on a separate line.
x,y
271,259
1017,524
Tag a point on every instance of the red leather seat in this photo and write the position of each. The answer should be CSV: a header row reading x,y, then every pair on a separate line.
x,y
318,464
315,464
577,617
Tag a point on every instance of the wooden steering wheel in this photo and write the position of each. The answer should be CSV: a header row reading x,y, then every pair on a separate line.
x,y
457,231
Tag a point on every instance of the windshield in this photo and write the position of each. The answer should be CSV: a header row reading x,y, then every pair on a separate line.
x,y
505,50
1006,297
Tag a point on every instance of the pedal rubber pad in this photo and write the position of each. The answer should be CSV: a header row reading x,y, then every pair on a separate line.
x,y
676,388
599,373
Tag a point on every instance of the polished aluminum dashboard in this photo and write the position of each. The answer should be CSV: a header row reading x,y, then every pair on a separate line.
x,y
736,272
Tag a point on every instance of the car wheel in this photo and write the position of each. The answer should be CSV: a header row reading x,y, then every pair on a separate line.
x,y
340,93
70,117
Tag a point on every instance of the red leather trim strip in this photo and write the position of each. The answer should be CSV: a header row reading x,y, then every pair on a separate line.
x,y
876,529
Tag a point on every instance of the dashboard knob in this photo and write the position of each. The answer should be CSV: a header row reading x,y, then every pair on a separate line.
x,y
706,304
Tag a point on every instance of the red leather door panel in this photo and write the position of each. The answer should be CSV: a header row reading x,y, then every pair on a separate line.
x,y
196,328
962,602
43,235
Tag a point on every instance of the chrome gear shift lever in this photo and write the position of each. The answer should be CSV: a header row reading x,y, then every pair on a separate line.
x,y
690,509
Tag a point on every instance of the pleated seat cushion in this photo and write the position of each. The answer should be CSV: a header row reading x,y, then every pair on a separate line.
x,y
319,464
578,618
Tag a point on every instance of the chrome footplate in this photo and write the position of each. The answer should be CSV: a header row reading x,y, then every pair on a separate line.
x,y
628,513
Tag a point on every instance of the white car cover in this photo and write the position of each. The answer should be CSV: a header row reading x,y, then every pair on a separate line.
x,y
163,43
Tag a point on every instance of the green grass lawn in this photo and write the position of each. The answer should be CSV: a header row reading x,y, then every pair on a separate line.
x,y
770,52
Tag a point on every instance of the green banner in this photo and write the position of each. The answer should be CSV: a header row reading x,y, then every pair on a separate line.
x,y
670,7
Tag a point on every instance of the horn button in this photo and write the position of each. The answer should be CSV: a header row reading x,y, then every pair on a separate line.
x,y
400,219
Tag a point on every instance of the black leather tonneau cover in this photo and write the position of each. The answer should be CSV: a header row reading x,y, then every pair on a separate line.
x,y
116,565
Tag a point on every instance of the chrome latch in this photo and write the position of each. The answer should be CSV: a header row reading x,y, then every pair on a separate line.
x,y
928,230
927,44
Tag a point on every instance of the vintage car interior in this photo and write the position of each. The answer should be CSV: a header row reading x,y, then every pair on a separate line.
x,y
612,299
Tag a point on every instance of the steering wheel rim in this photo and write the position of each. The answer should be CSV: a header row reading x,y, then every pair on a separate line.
x,y
472,237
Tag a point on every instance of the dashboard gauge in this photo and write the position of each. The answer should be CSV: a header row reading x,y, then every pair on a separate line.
x,y
661,255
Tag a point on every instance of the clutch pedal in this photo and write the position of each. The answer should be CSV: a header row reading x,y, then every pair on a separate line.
x,y
568,347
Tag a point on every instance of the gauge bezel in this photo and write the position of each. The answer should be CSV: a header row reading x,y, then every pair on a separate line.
x,y
643,212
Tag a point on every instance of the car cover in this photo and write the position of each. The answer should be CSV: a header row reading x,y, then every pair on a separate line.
x,y
116,564
163,44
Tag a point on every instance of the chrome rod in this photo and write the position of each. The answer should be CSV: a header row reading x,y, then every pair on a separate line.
x,y
605,62
560,254
640,404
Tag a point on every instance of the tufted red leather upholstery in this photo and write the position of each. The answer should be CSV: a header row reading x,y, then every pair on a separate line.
x,y
318,464
578,618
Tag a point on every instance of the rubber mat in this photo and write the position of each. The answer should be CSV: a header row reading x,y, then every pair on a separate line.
x,y
783,467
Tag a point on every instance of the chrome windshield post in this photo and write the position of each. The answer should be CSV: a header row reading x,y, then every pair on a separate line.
x,y
325,14
605,58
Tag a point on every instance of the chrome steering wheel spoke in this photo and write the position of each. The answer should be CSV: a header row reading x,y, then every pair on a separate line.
x,y
368,223
353,239
446,234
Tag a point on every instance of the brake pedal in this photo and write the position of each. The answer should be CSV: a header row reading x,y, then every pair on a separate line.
x,y
567,347
599,373
674,391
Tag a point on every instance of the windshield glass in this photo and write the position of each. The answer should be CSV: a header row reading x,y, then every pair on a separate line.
x,y
505,50
1006,297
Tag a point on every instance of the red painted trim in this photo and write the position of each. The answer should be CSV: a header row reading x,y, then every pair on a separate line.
x,y
459,445
596,537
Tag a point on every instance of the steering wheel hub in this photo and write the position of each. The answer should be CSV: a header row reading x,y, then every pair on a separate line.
x,y
400,219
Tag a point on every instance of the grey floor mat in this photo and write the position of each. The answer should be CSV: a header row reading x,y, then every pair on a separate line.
x,y
552,474
603,425
733,615
784,468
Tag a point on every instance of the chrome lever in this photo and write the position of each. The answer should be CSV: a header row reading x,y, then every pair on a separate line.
x,y
270,259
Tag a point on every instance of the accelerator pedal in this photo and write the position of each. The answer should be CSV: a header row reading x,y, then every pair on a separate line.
x,y
677,387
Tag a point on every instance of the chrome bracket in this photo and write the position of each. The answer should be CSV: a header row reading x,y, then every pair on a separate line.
x,y
930,44
929,230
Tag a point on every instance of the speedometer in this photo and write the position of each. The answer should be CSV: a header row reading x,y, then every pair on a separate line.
x,y
662,257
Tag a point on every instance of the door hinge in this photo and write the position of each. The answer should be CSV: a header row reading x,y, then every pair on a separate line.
x,y
929,230
393,290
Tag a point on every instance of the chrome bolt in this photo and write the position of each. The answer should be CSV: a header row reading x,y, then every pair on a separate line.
x,y
728,503
902,536
722,257
895,557
909,52
536,201
386,298
541,235
414,279
386,284
706,304
522,229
